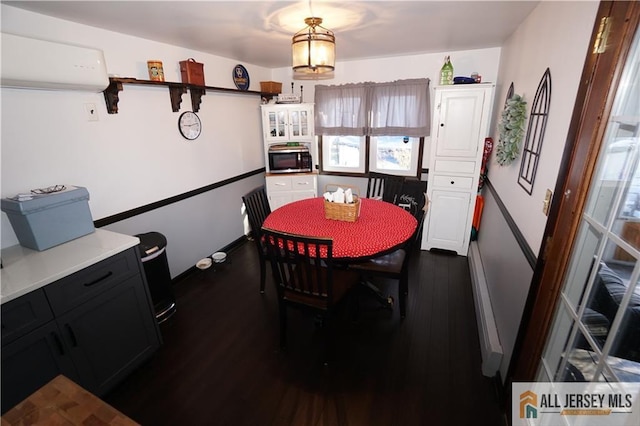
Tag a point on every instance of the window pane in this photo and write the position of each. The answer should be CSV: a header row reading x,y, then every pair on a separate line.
x,y
395,155
580,363
587,245
558,340
625,348
343,153
616,178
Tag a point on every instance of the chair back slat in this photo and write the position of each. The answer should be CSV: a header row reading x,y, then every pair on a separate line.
x,y
387,187
302,266
257,207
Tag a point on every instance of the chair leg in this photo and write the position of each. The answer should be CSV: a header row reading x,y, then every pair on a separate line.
x,y
263,275
283,326
385,301
403,290
328,335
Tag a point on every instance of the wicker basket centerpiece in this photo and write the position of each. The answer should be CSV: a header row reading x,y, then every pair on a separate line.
x,y
347,212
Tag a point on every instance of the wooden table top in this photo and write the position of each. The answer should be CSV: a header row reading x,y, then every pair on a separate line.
x,y
62,402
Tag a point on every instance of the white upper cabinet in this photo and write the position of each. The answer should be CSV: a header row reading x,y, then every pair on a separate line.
x,y
287,123
460,124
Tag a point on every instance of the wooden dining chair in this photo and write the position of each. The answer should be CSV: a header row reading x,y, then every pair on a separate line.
x,y
307,278
257,207
394,265
384,186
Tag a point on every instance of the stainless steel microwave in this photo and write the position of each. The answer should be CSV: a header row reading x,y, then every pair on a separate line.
x,y
287,158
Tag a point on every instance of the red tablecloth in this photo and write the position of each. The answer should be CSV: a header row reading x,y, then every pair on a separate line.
x,y
380,227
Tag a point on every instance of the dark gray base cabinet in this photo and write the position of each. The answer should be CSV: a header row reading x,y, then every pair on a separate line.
x,y
96,327
32,361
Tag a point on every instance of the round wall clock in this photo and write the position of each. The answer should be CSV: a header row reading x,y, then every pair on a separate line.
x,y
189,125
241,77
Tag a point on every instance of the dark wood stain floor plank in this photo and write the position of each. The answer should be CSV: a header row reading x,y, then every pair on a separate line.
x,y
220,363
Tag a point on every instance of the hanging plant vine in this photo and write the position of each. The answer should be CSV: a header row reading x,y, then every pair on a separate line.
x,y
511,129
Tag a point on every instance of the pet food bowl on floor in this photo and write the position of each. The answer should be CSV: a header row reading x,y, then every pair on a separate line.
x,y
219,257
204,263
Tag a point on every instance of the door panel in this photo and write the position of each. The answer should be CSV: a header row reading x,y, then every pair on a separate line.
x,y
598,314
588,212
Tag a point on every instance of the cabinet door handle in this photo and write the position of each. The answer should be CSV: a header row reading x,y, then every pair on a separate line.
x,y
97,280
72,335
441,124
56,338
452,182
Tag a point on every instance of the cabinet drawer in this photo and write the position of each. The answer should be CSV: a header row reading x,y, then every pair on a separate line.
x,y
77,288
279,183
303,183
24,314
453,182
454,166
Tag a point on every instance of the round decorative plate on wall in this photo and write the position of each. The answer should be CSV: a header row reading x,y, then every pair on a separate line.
x,y
241,77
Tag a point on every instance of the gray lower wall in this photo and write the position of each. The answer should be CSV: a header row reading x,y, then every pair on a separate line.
x,y
198,226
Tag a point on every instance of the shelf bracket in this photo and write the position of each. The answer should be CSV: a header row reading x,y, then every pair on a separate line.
x,y
196,98
111,96
175,92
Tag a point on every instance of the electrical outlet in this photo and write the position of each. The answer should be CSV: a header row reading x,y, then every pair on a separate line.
x,y
546,204
91,111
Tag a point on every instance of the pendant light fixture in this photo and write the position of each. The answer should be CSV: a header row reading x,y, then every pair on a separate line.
x,y
313,48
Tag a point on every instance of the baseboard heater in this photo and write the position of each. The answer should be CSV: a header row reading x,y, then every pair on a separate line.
x,y
490,346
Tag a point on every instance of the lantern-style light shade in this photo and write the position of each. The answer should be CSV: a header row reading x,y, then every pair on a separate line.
x,y
313,48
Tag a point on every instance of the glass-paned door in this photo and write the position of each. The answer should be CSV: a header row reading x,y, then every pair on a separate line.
x,y
596,329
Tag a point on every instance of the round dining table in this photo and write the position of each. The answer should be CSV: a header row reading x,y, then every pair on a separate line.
x,y
380,228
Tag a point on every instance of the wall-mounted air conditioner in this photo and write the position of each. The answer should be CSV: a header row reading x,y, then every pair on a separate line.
x,y
39,64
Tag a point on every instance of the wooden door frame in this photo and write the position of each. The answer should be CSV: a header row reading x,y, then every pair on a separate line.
x,y
598,85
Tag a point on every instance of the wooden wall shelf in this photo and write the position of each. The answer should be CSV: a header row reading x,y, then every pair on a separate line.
x,y
176,90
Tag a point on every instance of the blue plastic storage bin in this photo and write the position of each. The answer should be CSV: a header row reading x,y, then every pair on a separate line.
x,y
48,220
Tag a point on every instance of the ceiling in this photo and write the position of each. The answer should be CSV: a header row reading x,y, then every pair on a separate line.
x,y
259,32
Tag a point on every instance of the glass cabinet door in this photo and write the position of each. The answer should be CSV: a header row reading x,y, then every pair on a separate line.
x,y
288,123
277,125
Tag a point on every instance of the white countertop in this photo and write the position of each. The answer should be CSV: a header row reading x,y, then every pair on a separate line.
x,y
25,270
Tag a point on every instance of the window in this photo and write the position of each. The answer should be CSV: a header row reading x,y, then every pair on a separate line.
x,y
373,126
343,154
396,155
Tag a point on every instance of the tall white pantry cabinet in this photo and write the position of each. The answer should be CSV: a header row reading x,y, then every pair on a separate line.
x,y
460,125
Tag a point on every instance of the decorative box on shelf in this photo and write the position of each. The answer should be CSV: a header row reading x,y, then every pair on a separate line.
x,y
271,87
192,72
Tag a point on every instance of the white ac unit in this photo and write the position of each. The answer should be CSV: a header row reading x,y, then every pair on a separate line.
x,y
39,64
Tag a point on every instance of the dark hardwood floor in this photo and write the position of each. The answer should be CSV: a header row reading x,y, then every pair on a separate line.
x,y
220,363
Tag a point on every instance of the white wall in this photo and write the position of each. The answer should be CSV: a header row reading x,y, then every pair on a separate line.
x,y
555,35
137,156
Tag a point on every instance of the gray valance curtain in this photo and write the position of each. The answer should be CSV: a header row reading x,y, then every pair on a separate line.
x,y
398,108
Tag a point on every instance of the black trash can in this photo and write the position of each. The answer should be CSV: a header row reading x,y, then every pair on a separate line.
x,y
156,268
